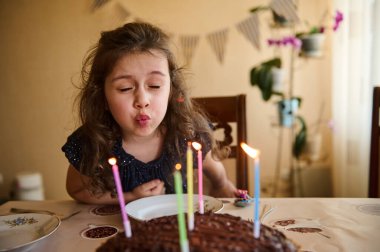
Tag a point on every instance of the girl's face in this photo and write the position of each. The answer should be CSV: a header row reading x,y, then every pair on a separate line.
x,y
137,92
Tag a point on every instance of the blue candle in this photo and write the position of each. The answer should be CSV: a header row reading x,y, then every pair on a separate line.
x,y
254,154
256,228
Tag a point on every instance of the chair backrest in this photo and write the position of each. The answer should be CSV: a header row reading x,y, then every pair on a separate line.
x,y
222,111
374,163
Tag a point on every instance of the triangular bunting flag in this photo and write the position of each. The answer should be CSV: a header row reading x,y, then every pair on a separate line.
x,y
218,41
188,45
285,8
250,29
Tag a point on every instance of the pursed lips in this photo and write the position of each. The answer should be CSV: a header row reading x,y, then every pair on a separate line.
x,y
142,119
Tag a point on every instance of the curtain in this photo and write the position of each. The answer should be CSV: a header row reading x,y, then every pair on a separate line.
x,y
355,57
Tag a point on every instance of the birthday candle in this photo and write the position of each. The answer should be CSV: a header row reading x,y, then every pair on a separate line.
x,y
126,223
256,230
190,206
181,216
255,155
198,147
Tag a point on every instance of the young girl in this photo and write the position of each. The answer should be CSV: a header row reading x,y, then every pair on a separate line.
x,y
133,105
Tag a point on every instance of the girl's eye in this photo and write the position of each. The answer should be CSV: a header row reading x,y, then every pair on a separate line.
x,y
154,86
125,89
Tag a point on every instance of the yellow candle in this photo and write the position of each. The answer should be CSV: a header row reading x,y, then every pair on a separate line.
x,y
190,206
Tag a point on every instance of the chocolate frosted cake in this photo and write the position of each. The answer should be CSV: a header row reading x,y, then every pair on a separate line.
x,y
213,232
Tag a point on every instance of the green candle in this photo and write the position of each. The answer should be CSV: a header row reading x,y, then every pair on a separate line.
x,y
181,216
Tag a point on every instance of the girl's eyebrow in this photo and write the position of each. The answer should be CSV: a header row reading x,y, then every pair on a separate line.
x,y
129,76
123,76
157,72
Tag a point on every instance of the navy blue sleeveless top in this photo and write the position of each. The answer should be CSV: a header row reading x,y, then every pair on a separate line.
x,y
134,172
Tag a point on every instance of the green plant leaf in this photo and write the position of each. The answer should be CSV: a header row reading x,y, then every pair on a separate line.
x,y
300,34
262,76
301,138
275,62
266,80
299,100
254,76
314,30
259,8
278,93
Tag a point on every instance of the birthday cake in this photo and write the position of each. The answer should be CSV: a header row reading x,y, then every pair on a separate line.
x,y
212,232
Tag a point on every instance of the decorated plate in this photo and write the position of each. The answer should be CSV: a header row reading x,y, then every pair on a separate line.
x,y
164,205
18,231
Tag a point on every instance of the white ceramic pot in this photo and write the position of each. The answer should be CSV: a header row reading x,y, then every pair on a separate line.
x,y
312,44
278,76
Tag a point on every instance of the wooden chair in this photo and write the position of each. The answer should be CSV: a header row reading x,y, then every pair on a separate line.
x,y
374,163
222,111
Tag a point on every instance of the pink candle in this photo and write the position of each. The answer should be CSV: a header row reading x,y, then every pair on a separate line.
x,y
198,147
126,223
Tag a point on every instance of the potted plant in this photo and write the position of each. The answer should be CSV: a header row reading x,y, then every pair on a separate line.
x,y
287,109
311,42
264,76
313,39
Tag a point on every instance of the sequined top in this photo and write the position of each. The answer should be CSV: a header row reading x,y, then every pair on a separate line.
x,y
134,172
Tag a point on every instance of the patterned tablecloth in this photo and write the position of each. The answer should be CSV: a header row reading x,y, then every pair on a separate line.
x,y
317,224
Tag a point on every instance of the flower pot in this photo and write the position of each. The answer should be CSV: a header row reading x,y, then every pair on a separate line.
x,y
312,44
278,76
287,108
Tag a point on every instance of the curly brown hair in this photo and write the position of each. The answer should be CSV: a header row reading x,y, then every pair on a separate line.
x,y
100,131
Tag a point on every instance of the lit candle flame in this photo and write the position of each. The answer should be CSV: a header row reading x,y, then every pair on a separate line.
x,y
112,161
197,146
253,153
178,166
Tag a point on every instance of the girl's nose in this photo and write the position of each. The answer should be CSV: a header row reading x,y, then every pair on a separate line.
x,y
142,99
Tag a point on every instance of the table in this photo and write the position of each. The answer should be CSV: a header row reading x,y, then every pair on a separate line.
x,y
346,224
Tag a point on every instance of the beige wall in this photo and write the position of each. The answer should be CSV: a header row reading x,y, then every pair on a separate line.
x,y
42,45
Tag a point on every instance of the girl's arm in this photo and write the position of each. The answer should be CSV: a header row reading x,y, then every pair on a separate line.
x,y
76,188
215,172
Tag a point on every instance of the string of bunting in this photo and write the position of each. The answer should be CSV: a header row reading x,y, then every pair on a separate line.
x,y
218,42
285,8
249,28
188,44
